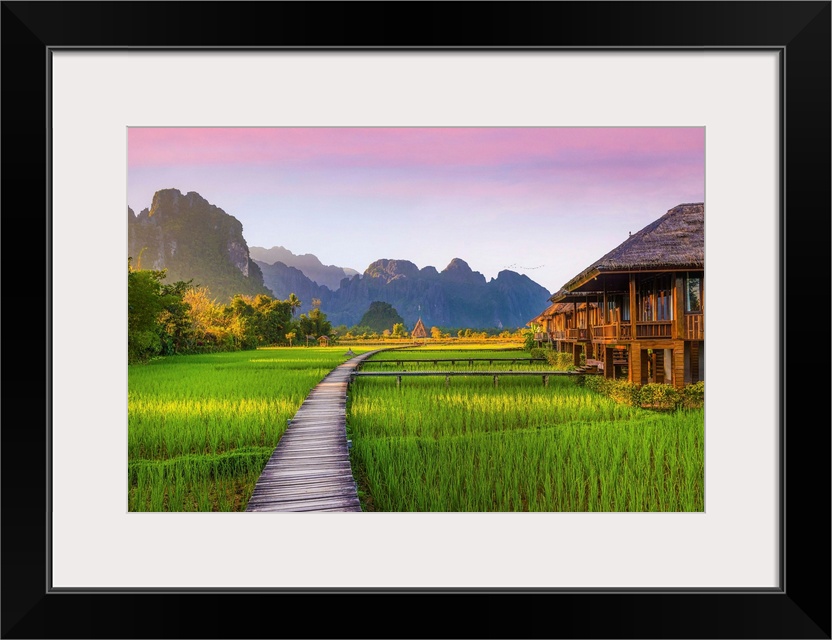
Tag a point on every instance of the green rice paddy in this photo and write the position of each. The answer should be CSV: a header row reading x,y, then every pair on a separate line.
x,y
471,447
201,428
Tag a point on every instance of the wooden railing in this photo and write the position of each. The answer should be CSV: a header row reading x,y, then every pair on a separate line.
x,y
615,331
558,335
661,329
605,331
694,326
577,334
541,337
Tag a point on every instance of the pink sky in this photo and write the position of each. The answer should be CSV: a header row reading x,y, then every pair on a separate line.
x,y
550,198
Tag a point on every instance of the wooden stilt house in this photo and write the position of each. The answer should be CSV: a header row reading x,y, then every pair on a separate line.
x,y
640,309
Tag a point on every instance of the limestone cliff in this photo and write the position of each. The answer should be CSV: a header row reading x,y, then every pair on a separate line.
x,y
194,240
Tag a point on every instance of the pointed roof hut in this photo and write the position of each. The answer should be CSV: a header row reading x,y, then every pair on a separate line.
x,y
419,330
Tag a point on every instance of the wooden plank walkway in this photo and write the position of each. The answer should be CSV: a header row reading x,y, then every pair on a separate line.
x,y
310,467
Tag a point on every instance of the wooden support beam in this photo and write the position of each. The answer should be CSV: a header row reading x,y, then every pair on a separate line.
x,y
678,332
634,363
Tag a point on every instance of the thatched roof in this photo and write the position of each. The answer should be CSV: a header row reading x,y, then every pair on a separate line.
x,y
568,307
419,330
561,307
548,311
674,241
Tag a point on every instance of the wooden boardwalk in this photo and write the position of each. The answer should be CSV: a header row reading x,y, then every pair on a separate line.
x,y
310,467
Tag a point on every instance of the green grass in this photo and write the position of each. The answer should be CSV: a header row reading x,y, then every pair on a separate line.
x,y
201,428
470,447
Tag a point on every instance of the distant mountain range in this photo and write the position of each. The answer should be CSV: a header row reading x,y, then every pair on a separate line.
x,y
194,239
455,297
329,276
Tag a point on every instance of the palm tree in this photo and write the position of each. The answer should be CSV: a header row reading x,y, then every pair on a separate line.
x,y
294,302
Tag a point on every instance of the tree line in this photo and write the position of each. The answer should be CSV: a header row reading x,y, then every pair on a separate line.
x,y
181,318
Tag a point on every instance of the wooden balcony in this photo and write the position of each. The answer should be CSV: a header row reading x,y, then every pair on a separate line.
x,y
623,332
612,332
606,331
558,335
541,337
660,329
580,333
694,326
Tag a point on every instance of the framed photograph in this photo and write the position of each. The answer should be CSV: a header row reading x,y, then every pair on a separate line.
x,y
755,76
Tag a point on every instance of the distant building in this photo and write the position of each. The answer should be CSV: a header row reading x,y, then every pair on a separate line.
x,y
419,330
323,341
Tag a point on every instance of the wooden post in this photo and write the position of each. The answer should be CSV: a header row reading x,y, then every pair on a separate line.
x,y
545,381
678,359
496,380
633,307
634,363
604,318
398,381
678,331
447,380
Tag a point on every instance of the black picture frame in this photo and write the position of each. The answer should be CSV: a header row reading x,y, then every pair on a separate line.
x,y
800,608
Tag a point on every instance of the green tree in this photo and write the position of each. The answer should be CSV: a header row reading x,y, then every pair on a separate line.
x,y
272,319
144,305
211,326
294,302
529,342
290,337
242,321
175,321
359,331
315,324
157,320
399,331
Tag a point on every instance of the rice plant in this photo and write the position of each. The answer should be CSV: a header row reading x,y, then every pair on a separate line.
x,y
201,428
468,446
